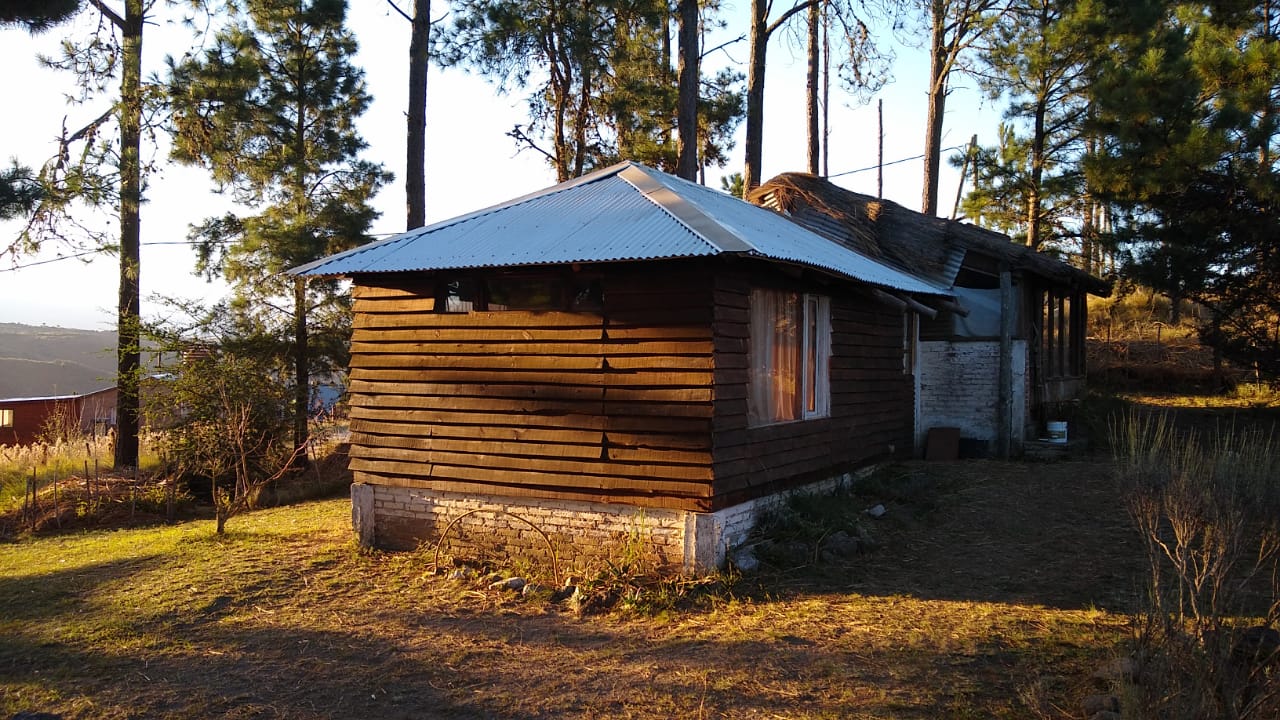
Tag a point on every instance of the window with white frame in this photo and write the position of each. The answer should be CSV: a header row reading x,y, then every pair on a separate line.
x,y
790,357
6,418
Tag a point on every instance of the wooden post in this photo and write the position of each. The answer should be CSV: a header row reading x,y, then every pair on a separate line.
x,y
57,504
1004,392
35,507
970,156
880,152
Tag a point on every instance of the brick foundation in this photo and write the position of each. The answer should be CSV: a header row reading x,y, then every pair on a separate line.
x,y
403,518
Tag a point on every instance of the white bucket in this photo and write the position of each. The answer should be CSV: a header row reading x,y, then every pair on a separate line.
x,y
1057,431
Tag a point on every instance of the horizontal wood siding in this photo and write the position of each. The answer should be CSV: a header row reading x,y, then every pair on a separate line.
x,y
608,406
871,398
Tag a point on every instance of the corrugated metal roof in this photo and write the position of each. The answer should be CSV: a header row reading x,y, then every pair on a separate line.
x,y
625,212
56,398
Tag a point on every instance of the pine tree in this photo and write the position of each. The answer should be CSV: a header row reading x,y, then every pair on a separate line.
x,y
270,110
1184,101
1029,185
37,15
600,77
94,171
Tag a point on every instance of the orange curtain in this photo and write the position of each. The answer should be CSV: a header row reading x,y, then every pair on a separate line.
x,y
775,357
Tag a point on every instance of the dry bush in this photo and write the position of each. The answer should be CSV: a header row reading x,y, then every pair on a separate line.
x,y
1208,512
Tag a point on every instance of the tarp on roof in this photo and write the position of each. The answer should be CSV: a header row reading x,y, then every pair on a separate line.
x,y
626,212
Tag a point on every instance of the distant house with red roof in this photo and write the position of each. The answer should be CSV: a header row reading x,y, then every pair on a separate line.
x,y
24,419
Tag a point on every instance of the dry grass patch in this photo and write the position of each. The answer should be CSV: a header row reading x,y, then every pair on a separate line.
x,y
1001,582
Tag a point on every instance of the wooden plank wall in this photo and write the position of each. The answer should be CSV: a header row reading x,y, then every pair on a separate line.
x,y
611,406
871,397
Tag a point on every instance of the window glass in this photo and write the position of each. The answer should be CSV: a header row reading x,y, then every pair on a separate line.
x,y
460,296
6,418
526,293
588,296
790,349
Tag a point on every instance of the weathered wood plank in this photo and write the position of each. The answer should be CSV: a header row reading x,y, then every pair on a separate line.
x,y
484,346
497,319
658,424
483,376
632,498
489,390
479,376
479,362
652,455
410,334
538,406
661,362
659,440
676,395
412,304
659,409
518,474
591,421
543,450
370,292
478,432
580,466
648,332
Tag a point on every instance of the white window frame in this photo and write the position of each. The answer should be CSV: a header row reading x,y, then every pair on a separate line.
x,y
813,364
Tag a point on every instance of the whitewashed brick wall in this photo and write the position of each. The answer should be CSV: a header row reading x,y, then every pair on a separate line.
x,y
958,387
695,542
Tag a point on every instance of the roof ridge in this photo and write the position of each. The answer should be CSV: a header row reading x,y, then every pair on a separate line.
x,y
687,213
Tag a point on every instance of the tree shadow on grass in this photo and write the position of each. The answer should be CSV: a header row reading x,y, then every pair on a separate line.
x,y
46,596
525,666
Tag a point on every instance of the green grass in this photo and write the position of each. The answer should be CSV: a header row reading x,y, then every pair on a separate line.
x,y
971,600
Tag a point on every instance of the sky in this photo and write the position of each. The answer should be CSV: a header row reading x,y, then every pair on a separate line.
x,y
471,163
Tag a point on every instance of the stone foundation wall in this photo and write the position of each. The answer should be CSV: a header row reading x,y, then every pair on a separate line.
x,y
530,529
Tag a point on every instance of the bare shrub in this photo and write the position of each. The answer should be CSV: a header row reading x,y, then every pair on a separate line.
x,y
1208,512
228,424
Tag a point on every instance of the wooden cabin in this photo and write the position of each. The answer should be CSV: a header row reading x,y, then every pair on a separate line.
x,y
1001,360
626,354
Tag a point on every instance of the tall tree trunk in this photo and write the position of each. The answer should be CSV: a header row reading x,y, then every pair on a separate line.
x,y
759,38
687,104
1034,196
301,378
415,184
812,89
128,322
937,106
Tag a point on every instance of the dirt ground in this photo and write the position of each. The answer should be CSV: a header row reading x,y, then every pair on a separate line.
x,y
996,592
998,589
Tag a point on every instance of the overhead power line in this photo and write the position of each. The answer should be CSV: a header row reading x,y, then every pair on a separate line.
x,y
893,162
84,253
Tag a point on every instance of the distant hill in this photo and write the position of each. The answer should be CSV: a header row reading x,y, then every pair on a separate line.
x,y
40,360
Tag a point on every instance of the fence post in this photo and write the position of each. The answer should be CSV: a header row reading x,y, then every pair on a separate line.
x,y
35,504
